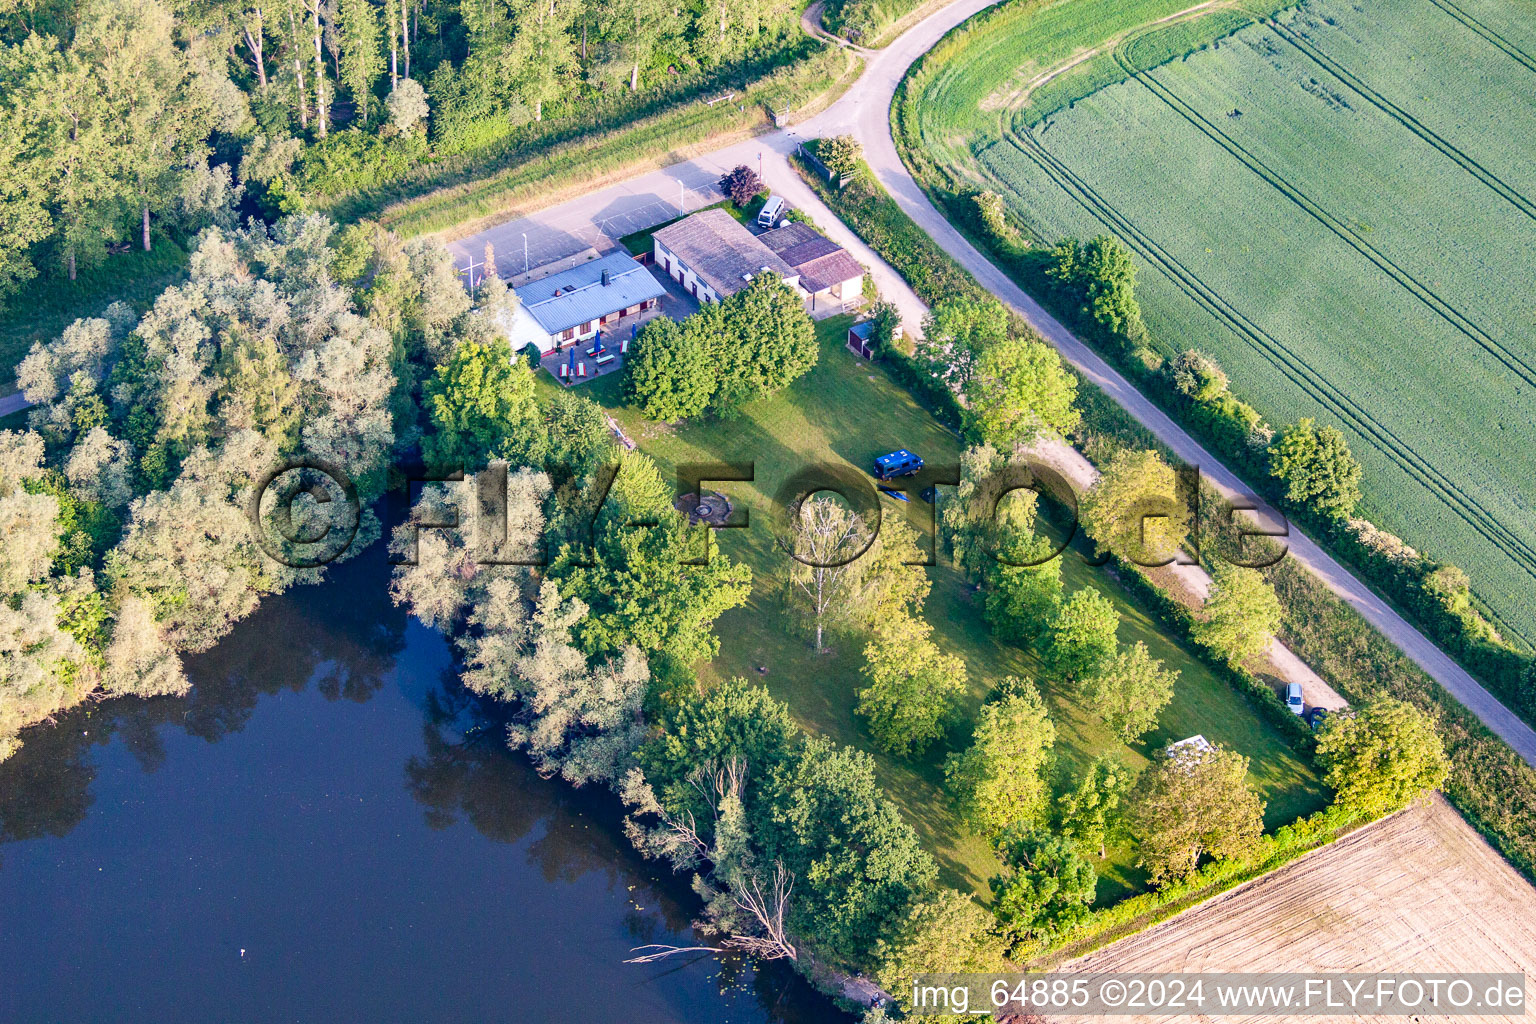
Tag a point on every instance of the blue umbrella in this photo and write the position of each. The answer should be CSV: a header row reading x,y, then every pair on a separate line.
x,y
572,362
597,349
632,329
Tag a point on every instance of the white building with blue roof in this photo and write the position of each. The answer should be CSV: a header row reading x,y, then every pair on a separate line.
x,y
564,309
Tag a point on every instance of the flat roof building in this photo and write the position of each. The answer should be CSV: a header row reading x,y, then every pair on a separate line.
x,y
564,308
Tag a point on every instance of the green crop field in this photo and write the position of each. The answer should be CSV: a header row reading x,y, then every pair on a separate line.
x,y
846,412
1340,205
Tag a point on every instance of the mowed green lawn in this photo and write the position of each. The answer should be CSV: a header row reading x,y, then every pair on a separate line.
x,y
847,412
1343,212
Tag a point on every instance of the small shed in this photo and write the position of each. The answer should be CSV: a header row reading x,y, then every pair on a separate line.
x,y
861,339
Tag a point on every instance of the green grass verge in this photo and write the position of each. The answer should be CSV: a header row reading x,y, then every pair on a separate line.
x,y
846,412
582,164
48,304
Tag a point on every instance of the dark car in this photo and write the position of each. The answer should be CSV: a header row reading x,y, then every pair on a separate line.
x,y
898,463
1314,717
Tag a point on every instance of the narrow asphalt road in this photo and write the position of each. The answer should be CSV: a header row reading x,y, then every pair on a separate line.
x,y
13,403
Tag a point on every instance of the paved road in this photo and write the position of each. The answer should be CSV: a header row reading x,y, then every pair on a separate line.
x,y
13,403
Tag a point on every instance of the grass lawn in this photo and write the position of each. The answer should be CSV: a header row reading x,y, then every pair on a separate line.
x,y
48,304
847,412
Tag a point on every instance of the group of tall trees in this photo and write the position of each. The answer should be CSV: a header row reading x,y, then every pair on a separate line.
x,y
121,119
747,346
126,502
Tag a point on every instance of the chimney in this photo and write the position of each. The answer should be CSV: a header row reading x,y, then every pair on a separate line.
x,y
606,280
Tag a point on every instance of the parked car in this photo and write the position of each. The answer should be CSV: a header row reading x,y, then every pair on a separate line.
x,y
898,463
1293,699
1315,716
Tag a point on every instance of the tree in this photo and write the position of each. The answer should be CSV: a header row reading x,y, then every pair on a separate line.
x,y
1046,884
580,441
910,686
989,207
1381,755
139,660
824,543
735,721
362,60
1019,391
1082,635
1000,780
482,407
1130,691
860,867
1192,803
159,110
741,184
1319,472
1023,589
1134,509
947,934
670,373
582,721
407,105
763,341
1101,277
646,583
956,331
841,153
1240,616
1089,812
1198,376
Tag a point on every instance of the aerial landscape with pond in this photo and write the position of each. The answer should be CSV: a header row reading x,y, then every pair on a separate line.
x,y
790,513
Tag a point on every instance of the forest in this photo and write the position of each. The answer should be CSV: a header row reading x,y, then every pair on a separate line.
x,y
123,122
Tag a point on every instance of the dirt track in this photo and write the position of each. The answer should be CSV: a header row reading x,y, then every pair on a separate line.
x,y
1419,892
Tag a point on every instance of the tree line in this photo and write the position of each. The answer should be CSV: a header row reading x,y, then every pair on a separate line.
x,y
121,121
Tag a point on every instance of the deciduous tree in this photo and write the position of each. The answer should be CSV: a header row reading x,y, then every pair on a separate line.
x,y
1019,391
1381,755
1318,469
1135,511
1130,691
1001,779
1240,616
1082,636
910,686
1190,804
1046,884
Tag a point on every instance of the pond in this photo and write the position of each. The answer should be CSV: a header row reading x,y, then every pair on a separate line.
x,y
328,828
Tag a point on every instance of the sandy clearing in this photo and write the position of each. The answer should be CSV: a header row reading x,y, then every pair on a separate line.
x,y
1421,891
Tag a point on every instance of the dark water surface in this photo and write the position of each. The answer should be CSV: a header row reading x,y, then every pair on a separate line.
x,y
327,829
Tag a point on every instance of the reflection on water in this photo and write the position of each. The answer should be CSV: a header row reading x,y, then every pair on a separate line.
x,y
328,828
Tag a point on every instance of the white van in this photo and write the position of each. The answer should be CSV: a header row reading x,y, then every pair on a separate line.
x,y
772,210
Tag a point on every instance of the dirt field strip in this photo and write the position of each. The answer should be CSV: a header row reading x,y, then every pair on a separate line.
x,y
1421,891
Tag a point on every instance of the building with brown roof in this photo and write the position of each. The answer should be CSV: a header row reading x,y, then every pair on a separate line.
x,y
827,273
712,256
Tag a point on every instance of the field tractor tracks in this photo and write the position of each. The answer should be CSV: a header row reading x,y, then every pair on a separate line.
x,y
1450,314
1292,366
1402,117
1487,33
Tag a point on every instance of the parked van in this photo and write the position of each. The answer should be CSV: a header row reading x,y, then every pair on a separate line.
x,y
772,210
898,463
1293,698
